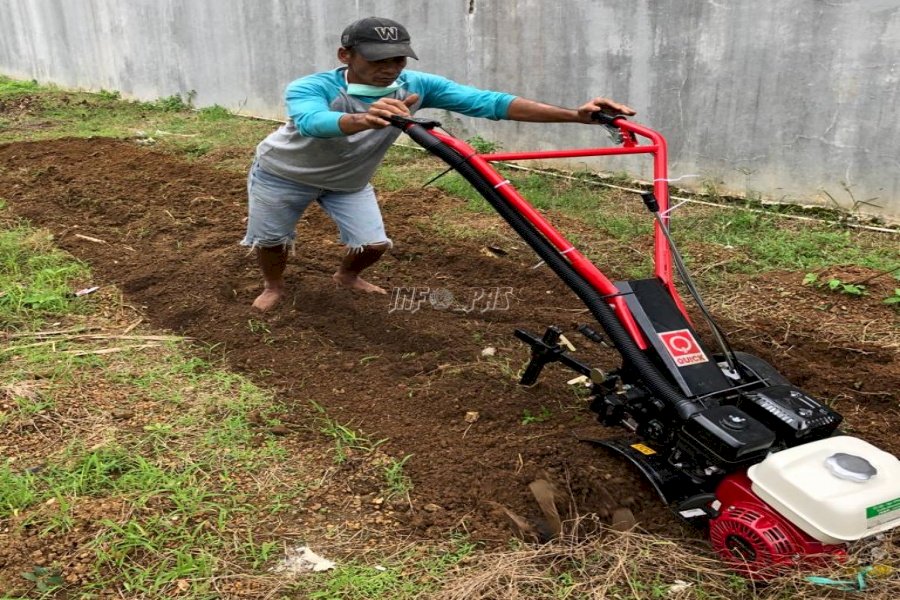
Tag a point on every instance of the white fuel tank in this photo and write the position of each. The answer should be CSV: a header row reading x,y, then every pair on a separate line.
x,y
837,490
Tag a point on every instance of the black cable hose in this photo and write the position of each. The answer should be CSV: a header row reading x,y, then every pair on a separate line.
x,y
683,406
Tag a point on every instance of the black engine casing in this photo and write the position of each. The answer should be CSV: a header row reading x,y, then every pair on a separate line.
x,y
726,436
794,416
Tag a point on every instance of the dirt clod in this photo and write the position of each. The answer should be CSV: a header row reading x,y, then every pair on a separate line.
x,y
122,413
622,520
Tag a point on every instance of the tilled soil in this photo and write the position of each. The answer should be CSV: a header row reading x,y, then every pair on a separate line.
x,y
409,366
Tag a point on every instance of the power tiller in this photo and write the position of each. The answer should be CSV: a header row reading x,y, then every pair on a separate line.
x,y
726,440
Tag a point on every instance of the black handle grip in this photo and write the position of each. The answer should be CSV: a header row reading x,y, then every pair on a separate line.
x,y
418,129
404,122
605,118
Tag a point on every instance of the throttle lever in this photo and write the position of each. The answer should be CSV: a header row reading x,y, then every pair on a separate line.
x,y
608,121
606,118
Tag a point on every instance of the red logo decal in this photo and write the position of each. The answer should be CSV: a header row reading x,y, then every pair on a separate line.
x,y
683,347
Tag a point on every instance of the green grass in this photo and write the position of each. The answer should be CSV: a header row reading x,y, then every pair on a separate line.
x,y
769,242
584,199
758,241
150,555
177,517
540,190
530,418
169,123
347,441
184,478
36,280
215,113
181,479
13,87
405,168
412,574
17,490
397,482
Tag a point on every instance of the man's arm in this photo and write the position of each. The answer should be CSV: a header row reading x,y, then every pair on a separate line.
x,y
522,109
307,101
440,92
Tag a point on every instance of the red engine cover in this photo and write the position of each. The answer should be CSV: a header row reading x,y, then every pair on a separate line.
x,y
755,540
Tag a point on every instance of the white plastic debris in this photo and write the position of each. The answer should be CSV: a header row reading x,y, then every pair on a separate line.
x,y
301,559
678,587
86,291
489,351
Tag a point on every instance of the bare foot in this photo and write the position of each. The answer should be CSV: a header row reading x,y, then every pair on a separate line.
x,y
269,298
355,282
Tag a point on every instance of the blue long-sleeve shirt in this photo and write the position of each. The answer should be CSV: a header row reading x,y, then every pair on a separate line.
x,y
310,147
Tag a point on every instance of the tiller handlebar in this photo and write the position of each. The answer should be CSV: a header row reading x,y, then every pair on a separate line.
x,y
724,438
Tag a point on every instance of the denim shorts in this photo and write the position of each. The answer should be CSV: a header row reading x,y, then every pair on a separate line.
x,y
276,204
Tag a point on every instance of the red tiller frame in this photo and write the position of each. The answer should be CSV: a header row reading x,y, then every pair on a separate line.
x,y
584,267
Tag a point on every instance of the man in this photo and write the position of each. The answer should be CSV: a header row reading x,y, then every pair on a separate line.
x,y
338,134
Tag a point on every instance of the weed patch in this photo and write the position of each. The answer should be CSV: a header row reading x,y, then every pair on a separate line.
x,y
37,281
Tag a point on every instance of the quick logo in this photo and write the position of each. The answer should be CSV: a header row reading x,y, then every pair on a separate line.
x,y
683,348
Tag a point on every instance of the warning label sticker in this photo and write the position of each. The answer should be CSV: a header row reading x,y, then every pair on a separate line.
x,y
683,348
644,449
883,513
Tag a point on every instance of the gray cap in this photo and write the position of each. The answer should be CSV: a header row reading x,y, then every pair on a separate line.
x,y
851,467
376,38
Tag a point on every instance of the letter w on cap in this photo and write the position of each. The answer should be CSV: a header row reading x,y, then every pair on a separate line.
x,y
387,33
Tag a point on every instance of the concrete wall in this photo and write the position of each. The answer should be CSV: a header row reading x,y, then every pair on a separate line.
x,y
790,99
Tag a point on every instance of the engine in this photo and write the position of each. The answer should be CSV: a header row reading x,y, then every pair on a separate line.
x,y
765,470
757,541
721,437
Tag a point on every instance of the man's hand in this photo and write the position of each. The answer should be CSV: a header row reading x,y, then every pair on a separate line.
x,y
383,108
604,105
378,114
